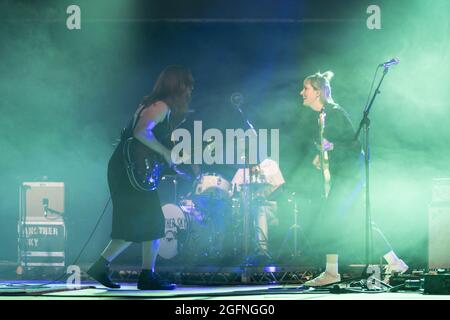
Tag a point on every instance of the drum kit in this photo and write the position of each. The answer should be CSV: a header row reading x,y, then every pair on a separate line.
x,y
194,224
216,220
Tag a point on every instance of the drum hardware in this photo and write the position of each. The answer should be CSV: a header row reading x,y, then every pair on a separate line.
x,y
173,179
257,184
293,231
249,213
259,190
218,220
247,196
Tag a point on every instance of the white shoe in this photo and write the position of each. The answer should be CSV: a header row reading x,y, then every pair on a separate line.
x,y
323,279
398,267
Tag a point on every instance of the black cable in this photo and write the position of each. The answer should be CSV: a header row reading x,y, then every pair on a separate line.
x,y
396,288
93,231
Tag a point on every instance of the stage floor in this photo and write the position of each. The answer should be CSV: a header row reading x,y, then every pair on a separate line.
x,y
39,290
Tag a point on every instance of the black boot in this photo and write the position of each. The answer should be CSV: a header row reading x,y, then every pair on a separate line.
x,y
149,281
100,272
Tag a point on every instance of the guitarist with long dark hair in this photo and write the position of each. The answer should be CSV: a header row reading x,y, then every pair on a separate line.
x,y
133,173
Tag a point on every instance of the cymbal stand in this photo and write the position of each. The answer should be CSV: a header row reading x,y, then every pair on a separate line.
x,y
293,230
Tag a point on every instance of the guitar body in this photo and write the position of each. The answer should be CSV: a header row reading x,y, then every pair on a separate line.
x,y
143,165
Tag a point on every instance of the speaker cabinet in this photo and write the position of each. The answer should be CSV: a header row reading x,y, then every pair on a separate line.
x,y
439,237
41,229
42,244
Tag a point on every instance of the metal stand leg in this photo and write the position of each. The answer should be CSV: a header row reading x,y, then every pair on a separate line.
x,y
293,232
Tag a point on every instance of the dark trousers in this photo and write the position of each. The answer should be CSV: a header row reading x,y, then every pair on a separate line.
x,y
339,227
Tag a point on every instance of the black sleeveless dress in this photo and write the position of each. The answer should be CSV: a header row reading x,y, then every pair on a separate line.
x,y
137,215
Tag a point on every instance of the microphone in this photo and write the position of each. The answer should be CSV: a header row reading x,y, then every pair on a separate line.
x,y
237,99
389,63
45,204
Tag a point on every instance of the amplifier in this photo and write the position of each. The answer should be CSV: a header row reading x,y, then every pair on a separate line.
x,y
437,284
438,237
42,201
41,244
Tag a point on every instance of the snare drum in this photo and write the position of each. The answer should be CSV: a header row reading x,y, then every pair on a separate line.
x,y
213,185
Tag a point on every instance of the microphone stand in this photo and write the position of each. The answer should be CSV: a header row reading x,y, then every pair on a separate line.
x,y
365,122
247,193
52,211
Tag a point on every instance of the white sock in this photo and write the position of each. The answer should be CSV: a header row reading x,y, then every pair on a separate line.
x,y
332,264
391,257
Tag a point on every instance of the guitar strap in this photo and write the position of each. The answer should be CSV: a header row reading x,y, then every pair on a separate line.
x,y
137,115
324,165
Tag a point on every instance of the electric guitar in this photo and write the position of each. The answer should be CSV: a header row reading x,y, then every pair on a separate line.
x,y
145,167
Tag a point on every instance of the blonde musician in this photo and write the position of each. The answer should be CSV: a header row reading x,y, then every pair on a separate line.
x,y
338,159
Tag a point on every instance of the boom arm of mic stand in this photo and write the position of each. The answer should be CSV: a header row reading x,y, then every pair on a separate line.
x,y
365,120
50,210
245,119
